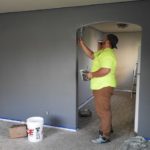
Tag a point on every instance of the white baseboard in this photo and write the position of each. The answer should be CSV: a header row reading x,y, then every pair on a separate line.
x,y
46,126
86,102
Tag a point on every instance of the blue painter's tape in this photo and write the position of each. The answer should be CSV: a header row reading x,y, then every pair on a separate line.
x,y
147,139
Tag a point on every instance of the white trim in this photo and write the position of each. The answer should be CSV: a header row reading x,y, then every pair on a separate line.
x,y
120,90
136,121
86,102
137,105
47,126
13,121
60,128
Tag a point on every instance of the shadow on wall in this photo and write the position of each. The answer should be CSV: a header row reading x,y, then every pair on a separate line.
x,y
55,121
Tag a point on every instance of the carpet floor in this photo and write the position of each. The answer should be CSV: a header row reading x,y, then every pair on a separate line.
x,y
58,139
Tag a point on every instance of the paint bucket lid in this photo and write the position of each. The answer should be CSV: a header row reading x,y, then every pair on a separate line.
x,y
35,129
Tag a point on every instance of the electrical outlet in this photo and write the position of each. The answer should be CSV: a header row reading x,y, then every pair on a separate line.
x,y
47,113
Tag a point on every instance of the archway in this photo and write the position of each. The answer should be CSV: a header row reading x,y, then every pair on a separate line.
x,y
128,55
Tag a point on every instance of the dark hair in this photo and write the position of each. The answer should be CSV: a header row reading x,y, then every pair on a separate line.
x,y
113,40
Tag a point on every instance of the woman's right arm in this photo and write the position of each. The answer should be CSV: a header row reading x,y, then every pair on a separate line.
x,y
86,50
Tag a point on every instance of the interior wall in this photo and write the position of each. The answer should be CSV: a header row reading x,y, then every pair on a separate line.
x,y
127,57
37,67
38,61
91,37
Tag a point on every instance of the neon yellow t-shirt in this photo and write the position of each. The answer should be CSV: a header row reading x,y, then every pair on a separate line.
x,y
104,59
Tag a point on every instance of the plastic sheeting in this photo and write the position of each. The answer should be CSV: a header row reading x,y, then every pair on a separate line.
x,y
135,143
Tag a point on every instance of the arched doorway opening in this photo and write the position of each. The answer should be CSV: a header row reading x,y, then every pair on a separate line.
x,y
128,69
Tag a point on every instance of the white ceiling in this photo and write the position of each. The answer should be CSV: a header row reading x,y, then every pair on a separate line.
x,y
112,27
27,5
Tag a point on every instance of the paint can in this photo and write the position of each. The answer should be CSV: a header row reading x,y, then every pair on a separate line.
x,y
35,129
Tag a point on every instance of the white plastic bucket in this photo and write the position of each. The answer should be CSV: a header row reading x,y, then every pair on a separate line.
x,y
35,129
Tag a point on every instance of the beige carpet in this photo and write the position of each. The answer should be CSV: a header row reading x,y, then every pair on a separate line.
x,y
56,139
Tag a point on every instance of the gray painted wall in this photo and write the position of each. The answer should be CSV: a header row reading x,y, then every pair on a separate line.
x,y
38,60
37,63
